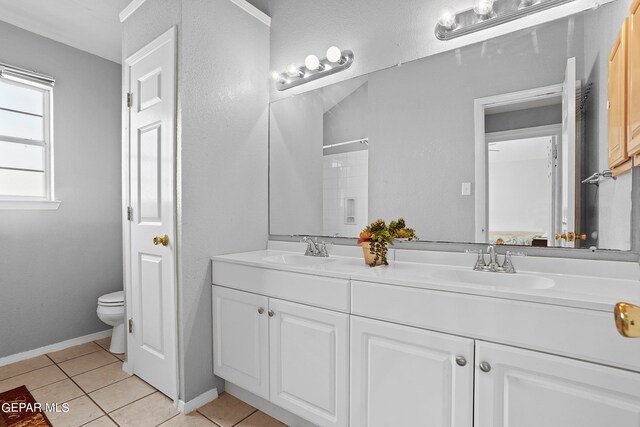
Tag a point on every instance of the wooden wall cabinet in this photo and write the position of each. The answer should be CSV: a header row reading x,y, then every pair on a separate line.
x,y
619,161
633,83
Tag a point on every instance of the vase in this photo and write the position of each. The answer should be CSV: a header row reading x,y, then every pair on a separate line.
x,y
369,258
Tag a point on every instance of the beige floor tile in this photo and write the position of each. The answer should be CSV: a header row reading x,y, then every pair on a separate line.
x,y
101,377
60,392
34,379
260,419
226,410
73,352
104,343
193,419
147,412
121,393
24,366
102,422
120,356
81,411
87,362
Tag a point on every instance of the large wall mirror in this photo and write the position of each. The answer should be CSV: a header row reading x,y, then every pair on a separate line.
x,y
496,142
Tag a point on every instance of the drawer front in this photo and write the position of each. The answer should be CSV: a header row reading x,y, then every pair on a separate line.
x,y
319,291
582,334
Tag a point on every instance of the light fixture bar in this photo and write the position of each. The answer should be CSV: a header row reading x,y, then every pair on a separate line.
x,y
503,11
285,81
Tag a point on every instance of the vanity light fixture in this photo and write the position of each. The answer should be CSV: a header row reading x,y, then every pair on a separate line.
x,y
314,68
487,14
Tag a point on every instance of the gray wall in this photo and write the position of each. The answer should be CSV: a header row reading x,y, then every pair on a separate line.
x,y
530,117
614,196
223,78
347,120
296,165
55,264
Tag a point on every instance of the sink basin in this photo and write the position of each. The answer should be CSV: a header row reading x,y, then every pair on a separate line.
x,y
488,280
291,259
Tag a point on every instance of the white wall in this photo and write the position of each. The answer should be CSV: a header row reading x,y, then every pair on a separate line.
x,y
55,264
223,97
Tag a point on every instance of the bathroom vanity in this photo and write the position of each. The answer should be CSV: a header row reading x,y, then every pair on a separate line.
x,y
427,340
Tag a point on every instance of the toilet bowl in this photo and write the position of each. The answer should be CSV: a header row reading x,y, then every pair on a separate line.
x,y
111,311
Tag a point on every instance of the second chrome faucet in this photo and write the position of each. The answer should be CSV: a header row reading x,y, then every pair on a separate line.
x,y
494,265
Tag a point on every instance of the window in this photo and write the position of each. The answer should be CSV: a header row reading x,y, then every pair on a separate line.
x,y
26,140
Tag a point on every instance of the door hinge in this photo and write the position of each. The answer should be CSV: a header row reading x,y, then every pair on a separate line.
x,y
130,326
129,213
129,99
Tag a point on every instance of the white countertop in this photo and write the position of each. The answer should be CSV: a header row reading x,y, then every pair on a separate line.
x,y
599,292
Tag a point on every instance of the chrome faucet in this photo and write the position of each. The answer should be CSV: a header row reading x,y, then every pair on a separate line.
x,y
315,248
494,265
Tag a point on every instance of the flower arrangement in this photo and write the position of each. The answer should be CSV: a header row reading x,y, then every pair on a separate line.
x,y
376,237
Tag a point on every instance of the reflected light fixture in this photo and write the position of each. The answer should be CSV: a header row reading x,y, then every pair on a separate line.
x,y
488,13
314,68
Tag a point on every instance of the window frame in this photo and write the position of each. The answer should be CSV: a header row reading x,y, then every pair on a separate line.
x,y
48,201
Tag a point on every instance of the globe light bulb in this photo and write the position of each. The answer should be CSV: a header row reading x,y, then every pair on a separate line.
x,y
293,70
334,54
483,8
312,62
447,20
276,76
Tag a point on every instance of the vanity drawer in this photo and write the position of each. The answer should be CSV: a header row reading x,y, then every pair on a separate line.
x,y
582,334
319,291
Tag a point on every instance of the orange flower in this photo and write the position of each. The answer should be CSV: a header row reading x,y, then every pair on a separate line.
x,y
365,236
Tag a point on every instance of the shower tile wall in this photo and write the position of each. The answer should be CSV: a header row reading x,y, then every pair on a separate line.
x,y
345,176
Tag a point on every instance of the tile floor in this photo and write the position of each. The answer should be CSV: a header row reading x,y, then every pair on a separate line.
x,y
101,394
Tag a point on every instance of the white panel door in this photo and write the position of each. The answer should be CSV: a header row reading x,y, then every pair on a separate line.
x,y
309,360
528,389
408,377
241,339
151,291
568,153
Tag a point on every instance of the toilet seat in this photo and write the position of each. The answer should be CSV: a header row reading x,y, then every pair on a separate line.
x,y
114,299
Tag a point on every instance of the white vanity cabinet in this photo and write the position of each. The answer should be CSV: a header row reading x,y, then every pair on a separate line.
x,y
404,376
241,339
525,388
295,355
309,359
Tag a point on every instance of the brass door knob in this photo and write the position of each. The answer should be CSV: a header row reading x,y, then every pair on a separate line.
x,y
161,240
560,236
627,319
570,236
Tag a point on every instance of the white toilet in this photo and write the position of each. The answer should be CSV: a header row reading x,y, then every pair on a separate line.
x,y
111,311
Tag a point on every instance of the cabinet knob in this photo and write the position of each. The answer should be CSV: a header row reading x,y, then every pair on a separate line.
x,y
461,361
271,313
485,366
260,310
627,319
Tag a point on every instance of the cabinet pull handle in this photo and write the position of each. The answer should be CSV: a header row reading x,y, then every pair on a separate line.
x,y
260,310
461,361
485,366
271,313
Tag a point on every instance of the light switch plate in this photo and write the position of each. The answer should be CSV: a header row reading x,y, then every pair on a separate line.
x,y
466,188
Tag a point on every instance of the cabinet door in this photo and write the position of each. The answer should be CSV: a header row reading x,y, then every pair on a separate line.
x,y
529,389
617,85
633,80
408,377
310,361
241,339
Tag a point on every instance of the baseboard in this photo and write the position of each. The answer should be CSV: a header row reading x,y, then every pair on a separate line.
x,y
193,404
53,347
267,407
